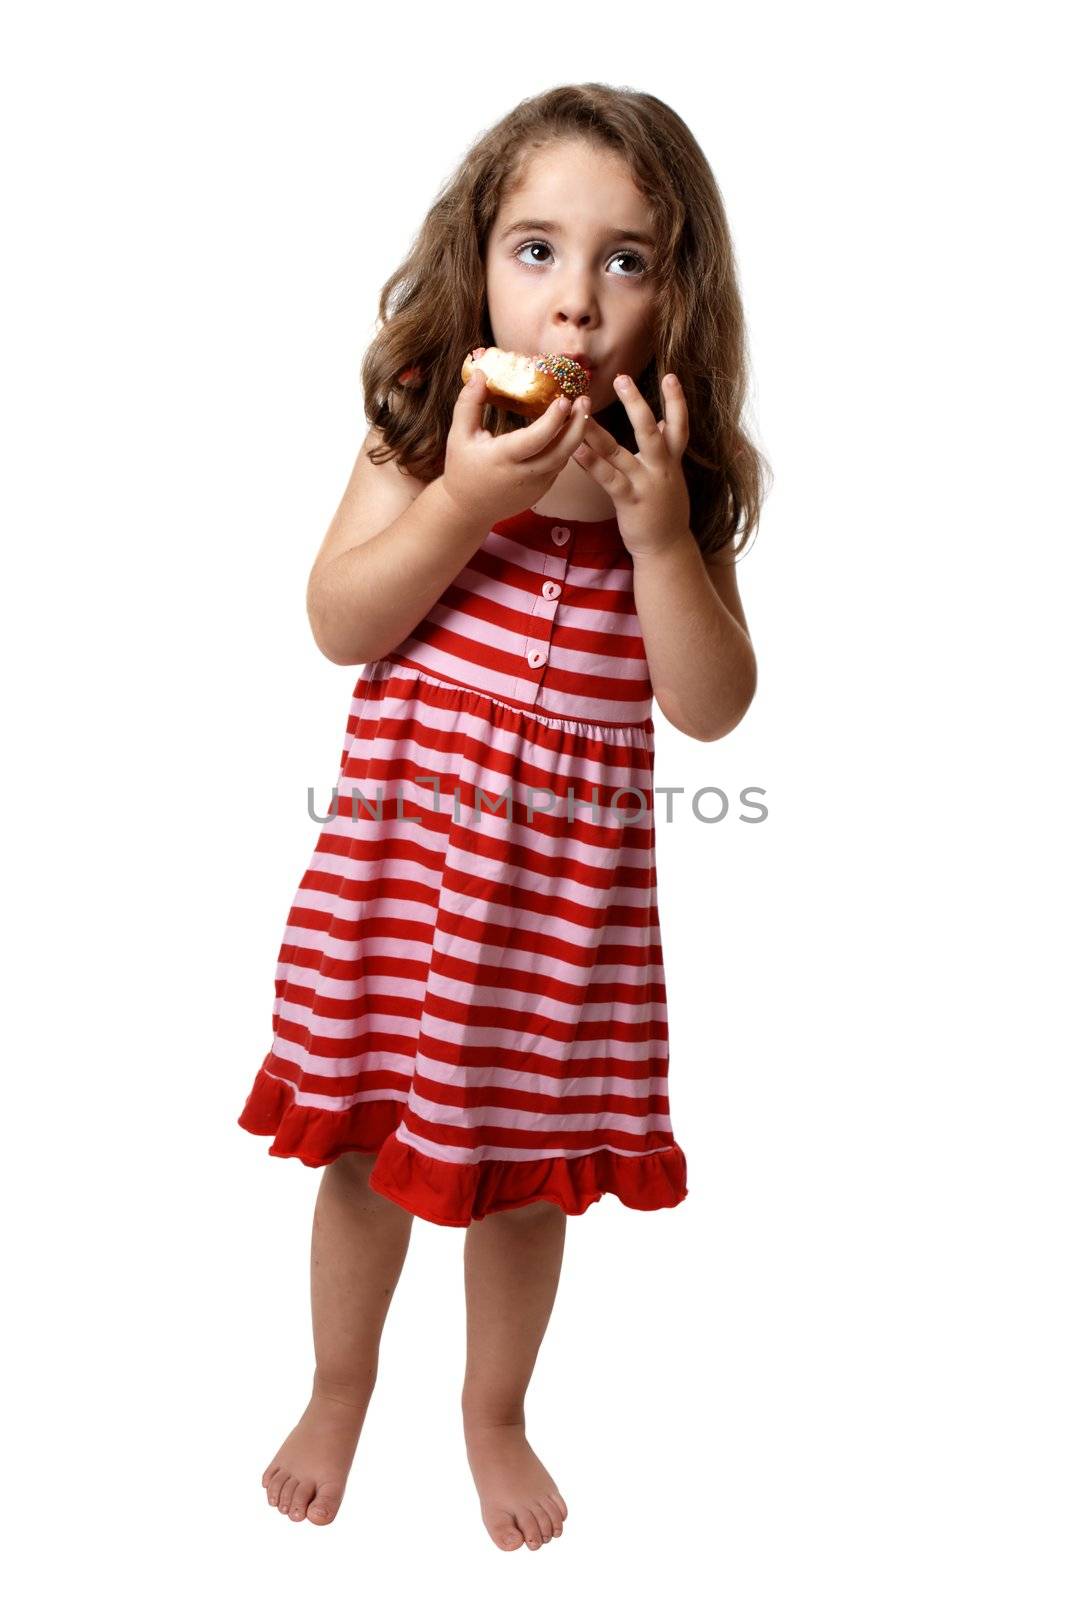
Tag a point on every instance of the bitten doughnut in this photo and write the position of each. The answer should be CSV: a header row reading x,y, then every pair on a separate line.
x,y
526,384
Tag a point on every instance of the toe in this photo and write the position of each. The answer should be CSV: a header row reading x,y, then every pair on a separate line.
x,y
557,1499
530,1530
552,1512
305,1490
285,1494
324,1506
274,1483
268,1475
503,1532
544,1521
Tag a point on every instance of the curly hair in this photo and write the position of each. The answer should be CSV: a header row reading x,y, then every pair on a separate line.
x,y
434,307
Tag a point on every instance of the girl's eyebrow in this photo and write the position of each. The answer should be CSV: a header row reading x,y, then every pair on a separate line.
x,y
554,227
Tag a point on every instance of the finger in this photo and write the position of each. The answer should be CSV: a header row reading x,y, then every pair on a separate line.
x,y
525,443
589,461
610,451
566,441
472,400
675,426
607,463
649,439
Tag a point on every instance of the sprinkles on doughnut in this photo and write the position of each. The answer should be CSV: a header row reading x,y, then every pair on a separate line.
x,y
527,384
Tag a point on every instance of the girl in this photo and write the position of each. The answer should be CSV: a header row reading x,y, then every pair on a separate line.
x,y
470,1019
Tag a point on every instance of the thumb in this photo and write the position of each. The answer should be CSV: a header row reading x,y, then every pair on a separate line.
x,y
472,399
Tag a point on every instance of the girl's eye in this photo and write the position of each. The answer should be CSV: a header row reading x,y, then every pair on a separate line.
x,y
540,244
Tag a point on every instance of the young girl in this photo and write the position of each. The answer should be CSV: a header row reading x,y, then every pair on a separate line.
x,y
470,1020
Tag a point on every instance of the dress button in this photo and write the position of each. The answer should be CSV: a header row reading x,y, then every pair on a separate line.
x,y
537,658
550,590
561,535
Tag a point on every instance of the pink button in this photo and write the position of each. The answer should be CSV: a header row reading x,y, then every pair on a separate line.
x,y
537,658
561,535
550,590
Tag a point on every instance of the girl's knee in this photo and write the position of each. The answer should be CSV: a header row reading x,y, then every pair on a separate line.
x,y
355,1166
534,1211
351,1173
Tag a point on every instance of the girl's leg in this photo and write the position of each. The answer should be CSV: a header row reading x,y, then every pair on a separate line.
x,y
358,1244
511,1267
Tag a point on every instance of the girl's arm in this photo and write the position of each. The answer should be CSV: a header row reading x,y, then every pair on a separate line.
x,y
700,659
393,547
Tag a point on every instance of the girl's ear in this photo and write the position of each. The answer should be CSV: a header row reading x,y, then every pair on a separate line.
x,y
410,378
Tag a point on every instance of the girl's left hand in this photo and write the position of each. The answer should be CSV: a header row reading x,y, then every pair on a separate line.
x,y
649,490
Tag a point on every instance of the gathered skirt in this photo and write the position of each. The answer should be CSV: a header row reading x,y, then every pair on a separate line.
x,y
470,983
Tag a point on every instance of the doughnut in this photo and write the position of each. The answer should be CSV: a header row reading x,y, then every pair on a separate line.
x,y
526,384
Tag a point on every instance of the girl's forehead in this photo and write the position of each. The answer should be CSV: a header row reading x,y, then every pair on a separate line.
x,y
567,161
572,183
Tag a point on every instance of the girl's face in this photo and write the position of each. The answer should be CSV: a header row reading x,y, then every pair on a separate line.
x,y
567,265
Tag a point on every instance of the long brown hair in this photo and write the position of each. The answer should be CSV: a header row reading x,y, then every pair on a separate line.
x,y
434,309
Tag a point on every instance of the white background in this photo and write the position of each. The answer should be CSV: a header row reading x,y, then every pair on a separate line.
x,y
836,1369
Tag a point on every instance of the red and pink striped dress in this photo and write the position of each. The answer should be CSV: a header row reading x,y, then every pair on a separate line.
x,y
471,980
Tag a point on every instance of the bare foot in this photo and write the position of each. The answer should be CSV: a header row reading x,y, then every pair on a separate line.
x,y
520,1502
308,1475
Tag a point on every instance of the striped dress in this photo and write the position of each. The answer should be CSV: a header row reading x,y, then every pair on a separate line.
x,y
471,978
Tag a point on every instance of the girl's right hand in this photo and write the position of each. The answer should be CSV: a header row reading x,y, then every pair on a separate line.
x,y
489,479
